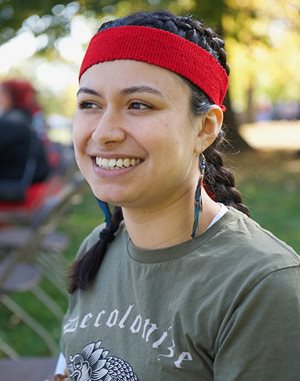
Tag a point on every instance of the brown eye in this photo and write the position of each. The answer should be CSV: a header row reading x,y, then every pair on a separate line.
x,y
139,106
87,105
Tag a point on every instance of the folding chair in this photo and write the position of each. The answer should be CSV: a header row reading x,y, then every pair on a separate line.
x,y
30,369
23,266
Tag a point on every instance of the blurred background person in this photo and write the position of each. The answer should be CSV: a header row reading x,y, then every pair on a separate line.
x,y
18,102
23,152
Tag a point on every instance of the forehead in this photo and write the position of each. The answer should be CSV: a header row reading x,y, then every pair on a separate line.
x,y
127,73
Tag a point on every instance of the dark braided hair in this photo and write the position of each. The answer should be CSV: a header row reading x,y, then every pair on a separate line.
x,y
219,181
85,269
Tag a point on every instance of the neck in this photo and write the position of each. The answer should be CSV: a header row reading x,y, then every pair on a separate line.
x,y
153,229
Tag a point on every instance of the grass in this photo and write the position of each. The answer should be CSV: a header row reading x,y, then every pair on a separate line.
x,y
270,184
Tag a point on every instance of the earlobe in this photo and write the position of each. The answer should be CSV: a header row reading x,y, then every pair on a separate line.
x,y
211,124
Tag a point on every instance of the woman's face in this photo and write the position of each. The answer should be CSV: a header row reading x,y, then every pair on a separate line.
x,y
134,134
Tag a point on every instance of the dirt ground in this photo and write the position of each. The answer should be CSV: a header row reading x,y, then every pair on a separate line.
x,y
278,135
276,149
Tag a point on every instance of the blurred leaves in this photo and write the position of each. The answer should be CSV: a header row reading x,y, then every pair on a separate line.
x,y
263,40
51,21
243,20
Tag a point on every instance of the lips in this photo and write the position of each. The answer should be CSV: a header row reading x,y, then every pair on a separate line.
x,y
117,163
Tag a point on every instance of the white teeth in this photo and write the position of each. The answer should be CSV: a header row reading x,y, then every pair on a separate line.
x,y
104,163
116,163
112,163
126,163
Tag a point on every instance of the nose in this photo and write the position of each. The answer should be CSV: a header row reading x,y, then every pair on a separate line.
x,y
109,128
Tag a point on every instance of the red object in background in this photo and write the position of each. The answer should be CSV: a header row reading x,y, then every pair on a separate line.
x,y
23,95
35,196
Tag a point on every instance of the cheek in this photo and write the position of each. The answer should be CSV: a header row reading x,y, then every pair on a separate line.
x,y
79,133
76,143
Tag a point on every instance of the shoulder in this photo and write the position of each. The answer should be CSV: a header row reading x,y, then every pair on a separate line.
x,y
91,239
241,253
243,237
251,253
17,116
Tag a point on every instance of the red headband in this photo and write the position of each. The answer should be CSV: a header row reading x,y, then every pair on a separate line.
x,y
161,48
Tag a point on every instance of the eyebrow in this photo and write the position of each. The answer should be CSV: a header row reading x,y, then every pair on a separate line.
x,y
126,91
86,90
141,89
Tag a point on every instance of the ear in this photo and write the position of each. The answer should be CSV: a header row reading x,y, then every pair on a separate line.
x,y
211,124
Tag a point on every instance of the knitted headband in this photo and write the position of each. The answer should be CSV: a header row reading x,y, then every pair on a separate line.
x,y
161,48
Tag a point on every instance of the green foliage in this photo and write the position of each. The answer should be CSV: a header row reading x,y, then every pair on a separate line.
x,y
52,19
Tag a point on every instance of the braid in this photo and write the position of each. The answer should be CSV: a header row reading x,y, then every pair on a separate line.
x,y
84,270
219,180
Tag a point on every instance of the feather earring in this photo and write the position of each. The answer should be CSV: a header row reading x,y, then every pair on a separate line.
x,y
198,200
105,210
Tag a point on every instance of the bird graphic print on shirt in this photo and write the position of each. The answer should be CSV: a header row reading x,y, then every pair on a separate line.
x,y
94,364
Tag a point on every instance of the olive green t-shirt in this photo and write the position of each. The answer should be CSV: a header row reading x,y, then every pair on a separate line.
x,y
224,307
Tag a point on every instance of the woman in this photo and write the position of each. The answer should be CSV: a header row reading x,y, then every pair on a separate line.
x,y
23,158
187,287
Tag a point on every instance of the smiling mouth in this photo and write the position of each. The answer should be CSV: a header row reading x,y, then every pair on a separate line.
x,y
117,163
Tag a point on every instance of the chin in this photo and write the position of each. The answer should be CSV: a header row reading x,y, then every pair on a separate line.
x,y
108,197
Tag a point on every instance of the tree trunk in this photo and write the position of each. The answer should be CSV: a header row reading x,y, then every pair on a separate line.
x,y
236,143
250,112
235,140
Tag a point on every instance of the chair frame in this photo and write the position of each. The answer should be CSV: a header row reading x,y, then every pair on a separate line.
x,y
23,267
